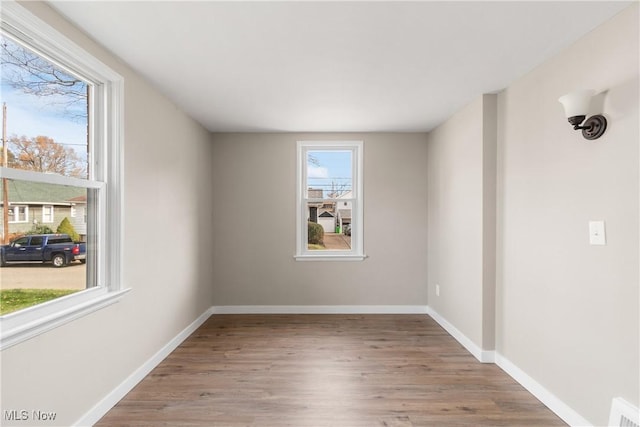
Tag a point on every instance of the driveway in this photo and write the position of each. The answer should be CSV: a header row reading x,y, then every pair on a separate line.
x,y
43,276
337,241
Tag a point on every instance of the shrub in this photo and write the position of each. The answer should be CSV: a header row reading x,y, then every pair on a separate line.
x,y
66,227
315,233
40,229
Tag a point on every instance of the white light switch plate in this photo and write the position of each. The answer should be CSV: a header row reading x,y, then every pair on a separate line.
x,y
596,233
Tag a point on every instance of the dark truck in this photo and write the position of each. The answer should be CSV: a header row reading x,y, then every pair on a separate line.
x,y
58,249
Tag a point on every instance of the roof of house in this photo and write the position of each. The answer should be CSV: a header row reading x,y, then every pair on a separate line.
x,y
28,192
344,213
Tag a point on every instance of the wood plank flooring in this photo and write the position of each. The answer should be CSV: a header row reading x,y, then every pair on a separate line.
x,y
326,370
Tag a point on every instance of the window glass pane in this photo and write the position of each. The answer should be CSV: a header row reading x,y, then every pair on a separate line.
x,y
36,241
29,275
328,226
329,174
46,114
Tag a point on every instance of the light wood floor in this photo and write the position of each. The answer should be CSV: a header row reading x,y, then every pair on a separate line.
x,y
326,370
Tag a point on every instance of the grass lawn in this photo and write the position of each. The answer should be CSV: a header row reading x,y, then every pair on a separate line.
x,y
16,299
315,247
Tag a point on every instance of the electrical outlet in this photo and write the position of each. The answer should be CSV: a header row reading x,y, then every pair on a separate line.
x,y
437,290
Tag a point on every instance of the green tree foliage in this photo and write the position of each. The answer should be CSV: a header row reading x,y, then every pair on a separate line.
x,y
40,229
315,233
66,227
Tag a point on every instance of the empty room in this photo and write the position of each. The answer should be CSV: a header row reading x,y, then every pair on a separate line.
x,y
310,213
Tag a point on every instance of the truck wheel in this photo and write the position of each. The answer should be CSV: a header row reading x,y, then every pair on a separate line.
x,y
59,260
2,263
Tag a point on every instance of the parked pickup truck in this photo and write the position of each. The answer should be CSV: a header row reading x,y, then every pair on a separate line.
x,y
58,249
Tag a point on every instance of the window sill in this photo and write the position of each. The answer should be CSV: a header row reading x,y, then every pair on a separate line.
x,y
19,333
330,257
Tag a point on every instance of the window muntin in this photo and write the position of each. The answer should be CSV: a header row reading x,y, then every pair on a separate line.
x,y
100,178
330,198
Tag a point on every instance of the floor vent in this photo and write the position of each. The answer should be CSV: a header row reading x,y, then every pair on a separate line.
x,y
623,414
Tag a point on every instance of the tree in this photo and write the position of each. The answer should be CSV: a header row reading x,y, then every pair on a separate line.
x,y
66,227
43,154
24,70
11,158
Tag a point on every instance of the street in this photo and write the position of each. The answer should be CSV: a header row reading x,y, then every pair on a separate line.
x,y
43,276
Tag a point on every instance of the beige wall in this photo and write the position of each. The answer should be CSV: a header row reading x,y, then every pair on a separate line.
x,y
461,216
167,183
567,311
254,225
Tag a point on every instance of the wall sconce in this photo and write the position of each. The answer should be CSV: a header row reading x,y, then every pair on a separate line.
x,y
576,106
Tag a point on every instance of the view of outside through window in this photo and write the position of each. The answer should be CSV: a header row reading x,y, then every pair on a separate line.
x,y
44,225
329,199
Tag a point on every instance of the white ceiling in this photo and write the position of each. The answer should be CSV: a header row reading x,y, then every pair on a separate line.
x,y
333,66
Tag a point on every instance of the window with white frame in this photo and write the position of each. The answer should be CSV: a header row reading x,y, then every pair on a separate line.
x,y
47,214
329,198
18,214
44,74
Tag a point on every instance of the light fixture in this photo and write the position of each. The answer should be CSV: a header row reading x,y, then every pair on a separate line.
x,y
576,106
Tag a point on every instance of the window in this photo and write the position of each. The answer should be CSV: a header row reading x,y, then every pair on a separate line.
x,y
329,201
47,214
18,214
35,60
36,241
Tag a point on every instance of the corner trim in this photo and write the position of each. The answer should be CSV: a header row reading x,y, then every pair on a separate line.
x,y
560,408
483,356
113,397
319,309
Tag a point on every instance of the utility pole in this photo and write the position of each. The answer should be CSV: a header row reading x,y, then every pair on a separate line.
x,y
5,185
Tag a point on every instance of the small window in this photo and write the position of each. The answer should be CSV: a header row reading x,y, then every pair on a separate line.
x,y
330,201
23,241
57,240
47,214
36,241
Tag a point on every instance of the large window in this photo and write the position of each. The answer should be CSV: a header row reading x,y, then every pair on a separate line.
x,y
61,152
329,201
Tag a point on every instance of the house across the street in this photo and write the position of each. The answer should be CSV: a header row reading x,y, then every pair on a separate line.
x,y
33,203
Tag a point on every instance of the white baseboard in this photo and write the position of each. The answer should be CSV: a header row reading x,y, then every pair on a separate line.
x,y
320,309
560,408
484,356
109,401
556,405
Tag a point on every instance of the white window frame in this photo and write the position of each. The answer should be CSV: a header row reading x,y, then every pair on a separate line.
x,y
357,238
106,148
49,220
12,218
